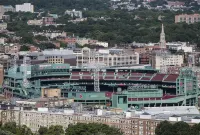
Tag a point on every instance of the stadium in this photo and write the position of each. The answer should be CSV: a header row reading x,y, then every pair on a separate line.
x,y
119,87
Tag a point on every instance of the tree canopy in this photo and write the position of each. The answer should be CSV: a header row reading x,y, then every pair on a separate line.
x,y
178,128
92,129
11,128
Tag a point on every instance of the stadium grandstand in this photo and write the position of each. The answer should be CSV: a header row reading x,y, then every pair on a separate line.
x,y
119,87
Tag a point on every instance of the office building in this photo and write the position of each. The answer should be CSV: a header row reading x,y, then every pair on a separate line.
x,y
130,123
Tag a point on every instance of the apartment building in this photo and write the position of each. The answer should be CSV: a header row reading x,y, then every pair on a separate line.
x,y
142,125
192,18
160,60
107,57
129,123
26,7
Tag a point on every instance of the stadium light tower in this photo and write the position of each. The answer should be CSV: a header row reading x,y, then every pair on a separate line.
x,y
15,70
95,66
25,65
96,73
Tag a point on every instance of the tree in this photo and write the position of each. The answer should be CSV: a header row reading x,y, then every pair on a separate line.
x,y
43,46
24,48
41,38
24,130
55,130
181,128
164,128
195,129
42,130
10,126
92,129
2,132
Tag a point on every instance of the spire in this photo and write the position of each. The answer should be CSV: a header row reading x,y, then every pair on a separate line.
x,y
162,38
162,29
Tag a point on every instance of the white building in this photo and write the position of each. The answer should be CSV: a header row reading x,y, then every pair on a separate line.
x,y
51,34
74,13
3,26
179,46
34,22
82,41
104,44
107,57
26,7
184,48
2,40
159,60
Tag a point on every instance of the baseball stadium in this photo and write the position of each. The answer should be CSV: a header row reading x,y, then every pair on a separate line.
x,y
118,87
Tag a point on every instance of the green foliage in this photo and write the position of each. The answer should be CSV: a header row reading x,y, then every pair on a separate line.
x,y
24,130
53,5
2,132
41,38
181,128
55,130
116,26
44,46
164,128
42,130
11,127
24,48
195,129
63,45
27,39
178,128
91,129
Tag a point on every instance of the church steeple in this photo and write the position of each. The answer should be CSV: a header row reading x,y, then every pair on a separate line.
x,y
162,38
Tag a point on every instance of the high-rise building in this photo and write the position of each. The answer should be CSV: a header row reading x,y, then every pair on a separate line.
x,y
26,7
